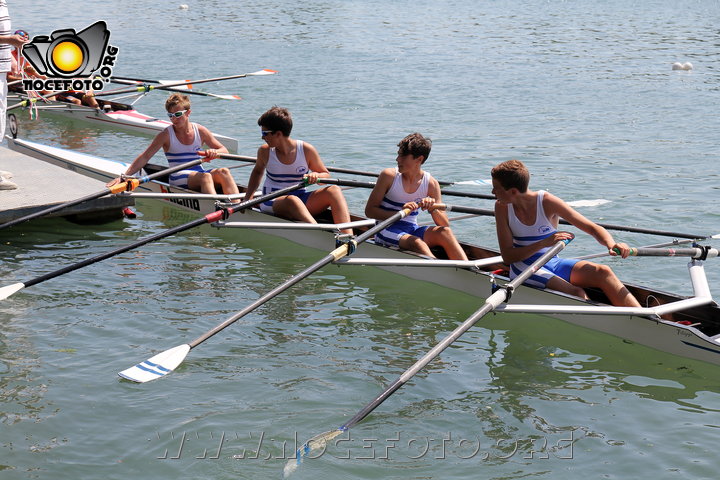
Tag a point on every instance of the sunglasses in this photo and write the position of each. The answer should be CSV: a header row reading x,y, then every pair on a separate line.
x,y
177,114
264,133
22,33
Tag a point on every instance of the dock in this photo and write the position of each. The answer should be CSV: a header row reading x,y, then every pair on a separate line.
x,y
42,185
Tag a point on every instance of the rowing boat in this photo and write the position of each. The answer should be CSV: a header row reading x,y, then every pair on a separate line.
x,y
689,326
116,115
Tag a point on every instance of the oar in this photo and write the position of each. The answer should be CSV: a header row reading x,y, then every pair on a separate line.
x,y
493,301
218,215
146,88
355,183
128,185
230,156
128,81
167,361
655,245
29,101
700,253
662,233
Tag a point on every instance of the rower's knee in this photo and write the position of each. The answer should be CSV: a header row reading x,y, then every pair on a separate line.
x,y
416,244
222,171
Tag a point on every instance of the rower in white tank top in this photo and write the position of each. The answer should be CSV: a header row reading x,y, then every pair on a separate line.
x,y
279,175
180,153
393,201
527,235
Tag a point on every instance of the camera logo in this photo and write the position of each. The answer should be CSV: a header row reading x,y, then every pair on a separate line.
x,y
73,60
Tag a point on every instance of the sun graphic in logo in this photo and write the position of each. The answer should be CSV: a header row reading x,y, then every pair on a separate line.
x,y
67,56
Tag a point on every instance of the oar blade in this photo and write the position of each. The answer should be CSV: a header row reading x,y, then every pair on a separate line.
x,y
5,292
157,366
264,71
318,442
225,97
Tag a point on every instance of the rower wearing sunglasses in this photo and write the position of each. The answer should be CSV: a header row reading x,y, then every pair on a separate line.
x,y
285,161
181,142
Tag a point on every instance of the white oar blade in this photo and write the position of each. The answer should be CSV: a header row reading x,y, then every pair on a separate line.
x,y
175,82
5,292
264,71
157,366
588,203
225,97
483,182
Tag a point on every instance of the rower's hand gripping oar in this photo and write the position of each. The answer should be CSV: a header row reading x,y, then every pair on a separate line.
x,y
501,295
167,361
218,215
128,185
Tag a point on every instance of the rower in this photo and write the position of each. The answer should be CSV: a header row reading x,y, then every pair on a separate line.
x,y
181,142
409,186
526,223
285,161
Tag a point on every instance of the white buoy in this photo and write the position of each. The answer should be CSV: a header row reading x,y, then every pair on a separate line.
x,y
183,6
682,66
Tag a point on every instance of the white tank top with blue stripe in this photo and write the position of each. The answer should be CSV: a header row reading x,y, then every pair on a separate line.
x,y
528,234
179,153
279,175
396,196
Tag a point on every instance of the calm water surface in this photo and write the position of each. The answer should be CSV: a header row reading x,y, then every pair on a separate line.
x,y
581,91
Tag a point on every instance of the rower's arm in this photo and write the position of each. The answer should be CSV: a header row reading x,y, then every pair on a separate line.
x,y
439,216
315,164
257,172
383,184
142,159
209,139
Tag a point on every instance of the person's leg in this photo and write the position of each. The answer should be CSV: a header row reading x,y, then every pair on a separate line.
x,y
292,208
224,179
444,237
331,197
89,100
201,182
589,274
561,285
416,244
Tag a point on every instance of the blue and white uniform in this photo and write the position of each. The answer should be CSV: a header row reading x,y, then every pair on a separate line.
x,y
279,175
393,201
179,153
528,234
